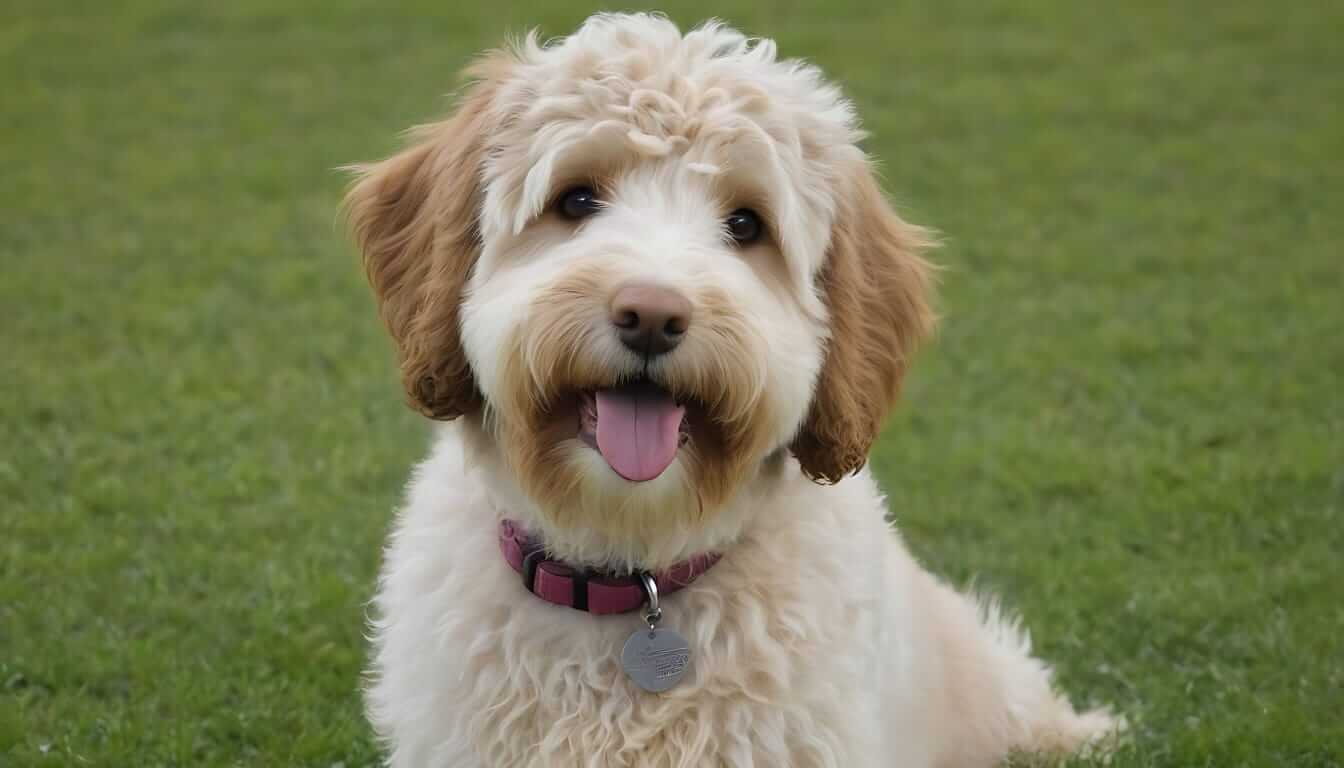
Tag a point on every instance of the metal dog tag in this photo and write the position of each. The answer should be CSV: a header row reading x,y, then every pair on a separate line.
x,y
656,659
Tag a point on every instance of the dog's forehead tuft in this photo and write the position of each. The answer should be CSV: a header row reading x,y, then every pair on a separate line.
x,y
634,85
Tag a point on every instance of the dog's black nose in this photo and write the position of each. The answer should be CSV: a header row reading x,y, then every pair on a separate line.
x,y
651,320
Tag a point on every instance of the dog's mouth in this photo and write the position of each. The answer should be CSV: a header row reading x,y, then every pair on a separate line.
x,y
637,427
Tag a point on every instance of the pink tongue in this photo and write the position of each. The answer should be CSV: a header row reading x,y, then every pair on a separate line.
x,y
637,431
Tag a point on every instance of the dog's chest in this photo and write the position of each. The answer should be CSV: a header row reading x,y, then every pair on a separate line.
x,y
479,671
471,670
550,690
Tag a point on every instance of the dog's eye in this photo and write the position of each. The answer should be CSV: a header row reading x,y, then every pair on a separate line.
x,y
744,226
578,203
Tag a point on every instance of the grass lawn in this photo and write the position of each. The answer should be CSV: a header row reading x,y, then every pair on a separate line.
x,y
1132,424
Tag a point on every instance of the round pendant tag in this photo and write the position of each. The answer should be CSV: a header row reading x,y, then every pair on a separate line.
x,y
656,659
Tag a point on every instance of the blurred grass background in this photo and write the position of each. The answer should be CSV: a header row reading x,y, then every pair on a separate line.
x,y
1132,424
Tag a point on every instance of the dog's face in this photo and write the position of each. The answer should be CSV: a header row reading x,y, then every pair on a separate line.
x,y
645,263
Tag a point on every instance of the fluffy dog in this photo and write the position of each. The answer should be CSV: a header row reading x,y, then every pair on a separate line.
x,y
650,284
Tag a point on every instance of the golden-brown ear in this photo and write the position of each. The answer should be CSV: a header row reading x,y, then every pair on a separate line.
x,y
414,216
877,289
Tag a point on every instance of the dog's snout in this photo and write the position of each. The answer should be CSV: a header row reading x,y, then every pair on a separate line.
x,y
650,319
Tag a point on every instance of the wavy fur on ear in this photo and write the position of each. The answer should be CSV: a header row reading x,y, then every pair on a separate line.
x,y
414,216
877,289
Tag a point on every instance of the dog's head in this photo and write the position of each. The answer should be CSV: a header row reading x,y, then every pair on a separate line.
x,y
644,264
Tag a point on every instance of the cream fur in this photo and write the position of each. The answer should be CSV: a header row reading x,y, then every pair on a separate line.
x,y
817,640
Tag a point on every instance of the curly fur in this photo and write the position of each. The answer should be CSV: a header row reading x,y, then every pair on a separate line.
x,y
817,639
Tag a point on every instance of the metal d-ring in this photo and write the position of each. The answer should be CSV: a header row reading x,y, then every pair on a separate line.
x,y
652,613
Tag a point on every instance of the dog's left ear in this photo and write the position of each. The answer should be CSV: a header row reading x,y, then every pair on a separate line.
x,y
877,289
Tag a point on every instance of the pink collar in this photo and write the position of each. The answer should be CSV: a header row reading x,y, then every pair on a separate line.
x,y
562,584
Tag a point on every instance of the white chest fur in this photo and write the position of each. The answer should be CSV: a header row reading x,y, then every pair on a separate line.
x,y
787,633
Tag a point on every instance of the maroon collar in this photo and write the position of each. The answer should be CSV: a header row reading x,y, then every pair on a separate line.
x,y
556,582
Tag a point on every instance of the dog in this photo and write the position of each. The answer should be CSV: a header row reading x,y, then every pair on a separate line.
x,y
651,289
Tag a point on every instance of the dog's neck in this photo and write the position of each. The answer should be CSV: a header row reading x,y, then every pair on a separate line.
x,y
598,592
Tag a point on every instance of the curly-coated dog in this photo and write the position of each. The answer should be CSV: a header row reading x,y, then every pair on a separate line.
x,y
651,285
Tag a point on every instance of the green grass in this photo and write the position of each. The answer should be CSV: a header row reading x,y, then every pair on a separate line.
x,y
1132,424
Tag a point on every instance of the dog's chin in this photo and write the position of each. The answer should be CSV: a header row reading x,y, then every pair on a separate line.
x,y
626,462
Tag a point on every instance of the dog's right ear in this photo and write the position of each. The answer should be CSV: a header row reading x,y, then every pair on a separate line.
x,y
414,217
